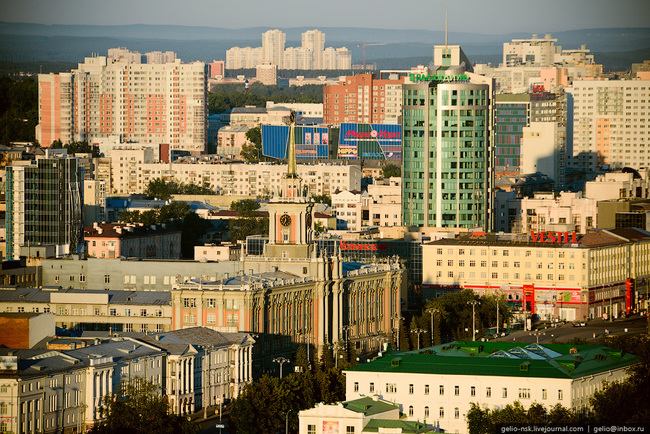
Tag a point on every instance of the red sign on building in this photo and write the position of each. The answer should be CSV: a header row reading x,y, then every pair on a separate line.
x,y
553,237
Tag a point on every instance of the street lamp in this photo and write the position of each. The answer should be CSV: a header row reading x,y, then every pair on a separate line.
x,y
281,361
432,310
537,334
418,331
474,303
286,422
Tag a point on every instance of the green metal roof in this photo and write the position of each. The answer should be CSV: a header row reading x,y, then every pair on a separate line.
x,y
407,427
503,359
369,406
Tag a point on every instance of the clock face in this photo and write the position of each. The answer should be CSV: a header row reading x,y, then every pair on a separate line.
x,y
285,220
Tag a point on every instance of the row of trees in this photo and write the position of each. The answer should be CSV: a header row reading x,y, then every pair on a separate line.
x,y
452,319
223,97
18,109
163,190
76,147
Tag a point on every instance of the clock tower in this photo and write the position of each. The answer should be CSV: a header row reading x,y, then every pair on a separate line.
x,y
290,213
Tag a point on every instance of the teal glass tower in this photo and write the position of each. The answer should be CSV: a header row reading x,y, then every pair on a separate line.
x,y
445,164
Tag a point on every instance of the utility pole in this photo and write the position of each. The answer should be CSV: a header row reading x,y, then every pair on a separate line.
x,y
474,303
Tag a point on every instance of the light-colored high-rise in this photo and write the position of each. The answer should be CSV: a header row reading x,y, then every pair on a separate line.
x,y
314,40
243,58
273,42
611,124
146,103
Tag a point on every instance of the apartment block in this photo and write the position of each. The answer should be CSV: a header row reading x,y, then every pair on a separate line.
x,y
112,240
147,103
611,124
363,98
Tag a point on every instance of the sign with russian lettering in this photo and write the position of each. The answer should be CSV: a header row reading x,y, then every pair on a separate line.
x,y
553,237
439,77
372,141
362,246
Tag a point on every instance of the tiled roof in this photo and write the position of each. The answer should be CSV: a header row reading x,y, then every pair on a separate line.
x,y
503,359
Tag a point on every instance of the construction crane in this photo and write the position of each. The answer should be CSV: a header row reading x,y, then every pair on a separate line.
x,y
364,45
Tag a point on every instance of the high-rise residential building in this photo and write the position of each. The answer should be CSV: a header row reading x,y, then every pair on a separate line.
x,y
160,57
146,103
533,51
314,40
362,98
115,54
267,73
44,204
298,58
240,58
273,42
610,124
445,154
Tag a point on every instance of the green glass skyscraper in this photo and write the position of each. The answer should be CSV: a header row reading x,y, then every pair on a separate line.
x,y
445,165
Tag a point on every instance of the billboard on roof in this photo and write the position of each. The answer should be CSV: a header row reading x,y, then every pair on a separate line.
x,y
311,142
370,141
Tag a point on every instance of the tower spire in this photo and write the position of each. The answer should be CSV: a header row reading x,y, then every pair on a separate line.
x,y
445,27
292,170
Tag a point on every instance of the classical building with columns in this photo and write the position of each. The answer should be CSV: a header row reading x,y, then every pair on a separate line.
x,y
295,293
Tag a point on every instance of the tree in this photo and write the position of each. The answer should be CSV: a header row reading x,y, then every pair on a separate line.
x,y
160,189
245,206
626,401
251,151
322,198
76,148
140,408
193,228
391,170
257,409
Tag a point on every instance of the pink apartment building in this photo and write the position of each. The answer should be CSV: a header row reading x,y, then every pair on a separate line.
x,y
112,240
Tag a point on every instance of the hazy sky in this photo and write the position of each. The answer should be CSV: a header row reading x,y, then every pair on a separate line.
x,y
475,16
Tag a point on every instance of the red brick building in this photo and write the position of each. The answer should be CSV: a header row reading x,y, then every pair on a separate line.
x,y
363,99
23,330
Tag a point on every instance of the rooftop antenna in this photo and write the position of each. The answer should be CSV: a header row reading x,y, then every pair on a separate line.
x,y
445,27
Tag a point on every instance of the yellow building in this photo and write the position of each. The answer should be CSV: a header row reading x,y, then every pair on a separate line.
x,y
603,273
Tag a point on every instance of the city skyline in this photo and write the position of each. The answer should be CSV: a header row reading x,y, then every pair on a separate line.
x,y
504,15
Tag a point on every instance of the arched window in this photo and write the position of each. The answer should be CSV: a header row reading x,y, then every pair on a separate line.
x,y
456,413
442,412
426,411
410,410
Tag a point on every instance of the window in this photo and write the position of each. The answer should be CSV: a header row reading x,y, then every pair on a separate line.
x,y
544,394
410,389
107,278
560,395
442,412
410,410
456,390
504,394
456,413
356,386
311,429
391,387
143,312
488,392
426,411
472,391
442,389
524,393
426,389
349,429
372,387
112,312
189,302
212,318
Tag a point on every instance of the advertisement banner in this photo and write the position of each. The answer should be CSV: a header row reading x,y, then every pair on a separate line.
x,y
330,427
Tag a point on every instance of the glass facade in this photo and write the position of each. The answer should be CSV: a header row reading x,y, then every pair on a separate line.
x,y
509,121
44,205
445,158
